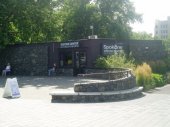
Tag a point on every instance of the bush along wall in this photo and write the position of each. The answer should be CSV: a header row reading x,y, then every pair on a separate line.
x,y
144,76
158,80
115,60
147,79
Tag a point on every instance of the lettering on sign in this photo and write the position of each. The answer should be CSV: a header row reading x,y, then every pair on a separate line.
x,y
109,49
69,45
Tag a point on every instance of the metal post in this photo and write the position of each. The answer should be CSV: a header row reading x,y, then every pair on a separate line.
x,y
91,27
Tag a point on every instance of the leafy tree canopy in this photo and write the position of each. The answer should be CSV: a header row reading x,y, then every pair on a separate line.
x,y
110,18
141,36
27,21
57,20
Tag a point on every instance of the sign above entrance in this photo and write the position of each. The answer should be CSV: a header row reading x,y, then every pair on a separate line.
x,y
111,48
69,45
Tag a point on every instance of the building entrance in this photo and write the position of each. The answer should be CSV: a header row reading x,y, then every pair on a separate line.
x,y
73,59
79,62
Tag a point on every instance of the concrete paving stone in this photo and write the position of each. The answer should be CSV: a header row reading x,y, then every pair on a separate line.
x,y
34,108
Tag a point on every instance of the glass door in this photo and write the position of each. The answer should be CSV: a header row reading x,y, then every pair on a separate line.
x,y
79,62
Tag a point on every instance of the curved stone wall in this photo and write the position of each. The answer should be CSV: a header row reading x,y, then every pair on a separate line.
x,y
117,84
112,85
116,79
106,74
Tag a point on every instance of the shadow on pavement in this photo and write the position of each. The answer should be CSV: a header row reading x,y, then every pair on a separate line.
x,y
152,90
34,81
160,90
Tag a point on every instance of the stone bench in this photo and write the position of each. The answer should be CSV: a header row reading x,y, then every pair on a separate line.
x,y
112,86
69,97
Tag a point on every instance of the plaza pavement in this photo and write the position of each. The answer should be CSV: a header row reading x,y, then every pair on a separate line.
x,y
34,107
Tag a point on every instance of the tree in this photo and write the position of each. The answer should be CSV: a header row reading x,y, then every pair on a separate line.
x,y
110,18
35,21
116,15
141,36
76,16
27,21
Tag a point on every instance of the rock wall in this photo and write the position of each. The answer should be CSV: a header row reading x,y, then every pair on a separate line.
x,y
113,85
25,59
144,51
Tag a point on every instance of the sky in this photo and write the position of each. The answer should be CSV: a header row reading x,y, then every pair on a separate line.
x,y
151,10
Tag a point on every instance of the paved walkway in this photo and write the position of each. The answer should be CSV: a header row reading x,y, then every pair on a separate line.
x,y
34,108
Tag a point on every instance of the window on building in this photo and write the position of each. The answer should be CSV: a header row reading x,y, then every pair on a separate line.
x,y
66,59
82,59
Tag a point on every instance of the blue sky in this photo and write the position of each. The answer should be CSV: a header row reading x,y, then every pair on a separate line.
x,y
151,10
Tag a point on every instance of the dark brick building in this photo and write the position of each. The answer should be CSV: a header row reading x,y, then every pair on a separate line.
x,y
73,56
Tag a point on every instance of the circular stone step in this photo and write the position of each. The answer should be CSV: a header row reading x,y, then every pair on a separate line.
x,y
82,97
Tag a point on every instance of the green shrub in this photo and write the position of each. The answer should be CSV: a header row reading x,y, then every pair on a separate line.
x,y
115,60
101,62
144,76
158,80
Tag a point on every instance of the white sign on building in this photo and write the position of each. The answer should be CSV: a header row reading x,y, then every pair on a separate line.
x,y
11,88
110,48
69,45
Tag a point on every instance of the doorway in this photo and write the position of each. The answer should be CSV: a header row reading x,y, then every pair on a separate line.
x,y
80,62
73,59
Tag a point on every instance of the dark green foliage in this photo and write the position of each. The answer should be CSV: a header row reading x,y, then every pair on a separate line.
x,y
35,21
110,18
27,21
141,36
